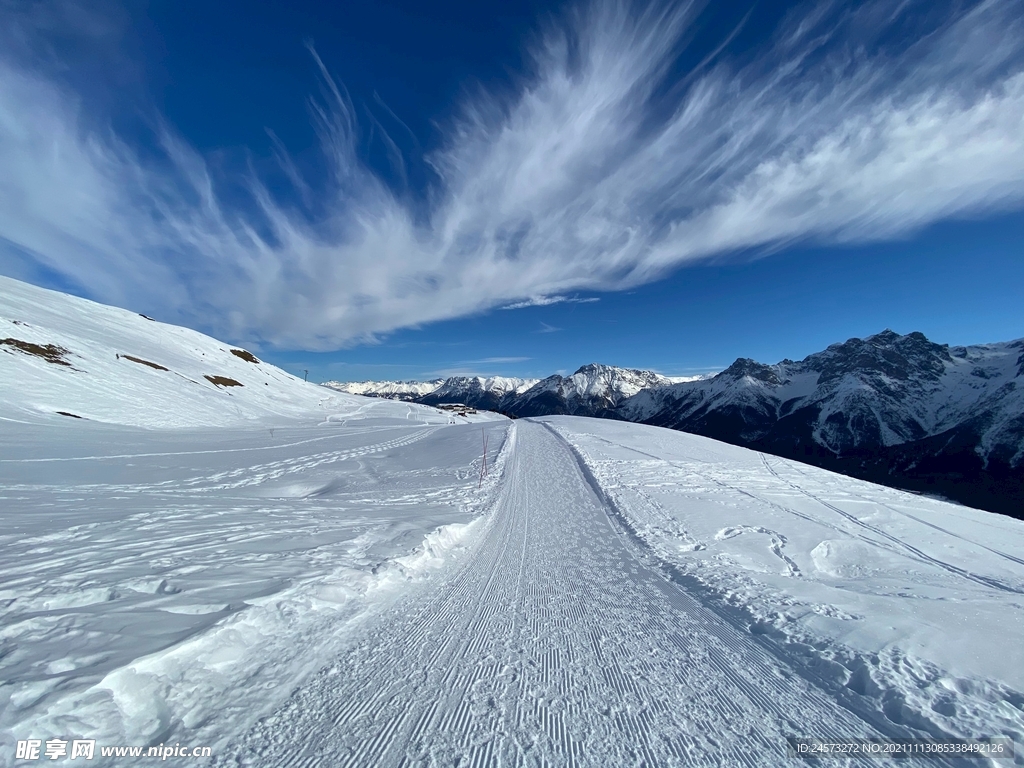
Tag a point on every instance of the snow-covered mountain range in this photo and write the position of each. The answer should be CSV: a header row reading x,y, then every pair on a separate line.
x,y
478,392
894,409
392,390
486,393
593,390
900,410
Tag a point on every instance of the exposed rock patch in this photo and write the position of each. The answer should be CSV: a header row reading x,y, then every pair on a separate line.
x,y
144,362
249,357
51,353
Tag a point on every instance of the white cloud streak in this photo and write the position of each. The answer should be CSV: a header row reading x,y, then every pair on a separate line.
x,y
547,301
599,173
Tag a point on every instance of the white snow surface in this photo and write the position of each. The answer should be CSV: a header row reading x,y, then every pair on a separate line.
x,y
915,603
311,578
161,585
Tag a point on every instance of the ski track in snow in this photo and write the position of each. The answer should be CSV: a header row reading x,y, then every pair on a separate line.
x,y
901,612
898,543
158,594
552,642
796,468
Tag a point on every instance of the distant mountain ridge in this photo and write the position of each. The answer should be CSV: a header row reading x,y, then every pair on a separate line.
x,y
393,390
894,409
478,392
898,410
593,390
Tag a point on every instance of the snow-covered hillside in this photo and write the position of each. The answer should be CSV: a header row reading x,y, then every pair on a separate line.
x,y
60,354
63,357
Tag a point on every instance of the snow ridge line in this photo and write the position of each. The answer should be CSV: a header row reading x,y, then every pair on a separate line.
x,y
707,599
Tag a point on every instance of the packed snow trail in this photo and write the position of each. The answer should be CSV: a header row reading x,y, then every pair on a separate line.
x,y
550,643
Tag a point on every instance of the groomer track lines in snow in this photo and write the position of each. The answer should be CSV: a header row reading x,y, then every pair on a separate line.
x,y
550,643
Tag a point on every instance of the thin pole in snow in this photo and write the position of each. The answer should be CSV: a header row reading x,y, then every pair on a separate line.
x,y
483,465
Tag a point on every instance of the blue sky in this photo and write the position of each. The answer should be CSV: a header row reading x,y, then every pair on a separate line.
x,y
393,190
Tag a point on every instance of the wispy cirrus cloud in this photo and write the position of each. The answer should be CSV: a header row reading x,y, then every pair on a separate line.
x,y
602,171
546,301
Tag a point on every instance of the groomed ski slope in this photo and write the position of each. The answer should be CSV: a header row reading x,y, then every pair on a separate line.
x,y
556,640
160,585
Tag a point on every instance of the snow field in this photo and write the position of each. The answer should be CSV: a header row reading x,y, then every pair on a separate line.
x,y
552,641
303,577
915,606
175,585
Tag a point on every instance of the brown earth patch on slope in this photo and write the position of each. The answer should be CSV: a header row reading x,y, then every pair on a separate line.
x,y
157,366
51,353
249,357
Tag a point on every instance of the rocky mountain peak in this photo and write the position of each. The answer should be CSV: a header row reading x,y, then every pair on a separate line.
x,y
744,366
886,353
